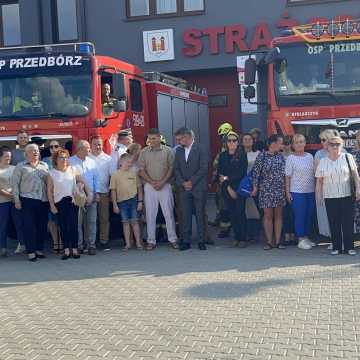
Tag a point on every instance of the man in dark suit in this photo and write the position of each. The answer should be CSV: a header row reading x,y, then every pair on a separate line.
x,y
191,170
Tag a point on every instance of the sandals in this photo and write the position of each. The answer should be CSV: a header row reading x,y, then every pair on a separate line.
x,y
150,247
280,246
175,245
268,246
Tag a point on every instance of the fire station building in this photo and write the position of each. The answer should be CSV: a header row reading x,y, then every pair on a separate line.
x,y
203,41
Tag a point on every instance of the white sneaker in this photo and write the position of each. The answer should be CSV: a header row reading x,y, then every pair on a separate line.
x,y
330,247
20,249
304,244
352,252
310,242
335,252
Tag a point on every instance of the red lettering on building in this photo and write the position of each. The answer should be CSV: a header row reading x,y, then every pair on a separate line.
x,y
262,36
235,35
193,42
213,34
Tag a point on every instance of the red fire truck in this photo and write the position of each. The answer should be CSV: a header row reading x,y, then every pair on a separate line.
x,y
313,82
54,91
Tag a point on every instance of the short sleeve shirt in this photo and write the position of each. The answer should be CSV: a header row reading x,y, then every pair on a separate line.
x,y
301,171
336,176
156,162
125,183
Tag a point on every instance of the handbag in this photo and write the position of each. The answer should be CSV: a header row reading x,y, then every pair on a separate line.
x,y
352,180
78,194
245,187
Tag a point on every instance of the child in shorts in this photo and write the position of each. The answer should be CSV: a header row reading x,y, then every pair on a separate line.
x,y
127,199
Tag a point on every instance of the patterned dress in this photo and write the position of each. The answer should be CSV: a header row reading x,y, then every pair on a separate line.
x,y
269,177
356,155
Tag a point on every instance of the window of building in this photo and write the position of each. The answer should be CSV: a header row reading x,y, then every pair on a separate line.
x,y
166,6
151,8
138,7
194,5
10,34
136,95
66,20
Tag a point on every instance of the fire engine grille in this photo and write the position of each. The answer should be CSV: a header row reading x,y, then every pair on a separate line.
x,y
312,132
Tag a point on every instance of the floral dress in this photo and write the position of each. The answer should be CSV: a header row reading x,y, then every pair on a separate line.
x,y
357,203
269,177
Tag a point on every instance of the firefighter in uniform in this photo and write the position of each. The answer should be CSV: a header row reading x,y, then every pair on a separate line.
x,y
222,215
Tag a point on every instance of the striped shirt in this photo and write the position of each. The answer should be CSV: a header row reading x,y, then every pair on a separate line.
x,y
336,176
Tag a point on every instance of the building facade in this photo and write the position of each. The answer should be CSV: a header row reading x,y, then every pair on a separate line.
x,y
203,41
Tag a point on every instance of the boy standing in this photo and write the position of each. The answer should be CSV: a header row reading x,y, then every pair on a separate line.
x,y
127,199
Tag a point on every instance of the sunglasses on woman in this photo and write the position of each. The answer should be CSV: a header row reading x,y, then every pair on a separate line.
x,y
232,140
54,146
334,144
322,140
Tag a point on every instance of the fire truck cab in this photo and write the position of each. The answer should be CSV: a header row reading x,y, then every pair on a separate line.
x,y
313,82
56,92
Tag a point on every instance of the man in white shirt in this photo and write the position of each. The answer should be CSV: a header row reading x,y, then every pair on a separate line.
x,y
123,141
87,168
103,164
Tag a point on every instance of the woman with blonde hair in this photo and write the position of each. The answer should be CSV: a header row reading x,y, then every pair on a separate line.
x,y
335,175
300,189
322,218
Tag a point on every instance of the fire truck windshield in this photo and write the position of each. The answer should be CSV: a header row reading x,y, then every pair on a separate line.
x,y
36,92
320,74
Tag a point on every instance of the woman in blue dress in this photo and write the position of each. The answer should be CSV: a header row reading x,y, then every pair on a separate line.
x,y
269,184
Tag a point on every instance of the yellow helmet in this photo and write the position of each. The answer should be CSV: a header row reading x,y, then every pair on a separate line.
x,y
224,129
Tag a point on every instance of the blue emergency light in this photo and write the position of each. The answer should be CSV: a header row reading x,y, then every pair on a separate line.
x,y
85,48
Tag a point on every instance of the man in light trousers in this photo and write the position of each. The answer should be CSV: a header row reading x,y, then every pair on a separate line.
x,y
156,168
103,163
86,167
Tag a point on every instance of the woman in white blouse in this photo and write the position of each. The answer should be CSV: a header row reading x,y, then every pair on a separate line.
x,y
300,190
60,185
333,186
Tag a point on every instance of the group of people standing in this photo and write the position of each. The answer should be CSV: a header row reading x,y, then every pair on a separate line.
x,y
289,187
71,196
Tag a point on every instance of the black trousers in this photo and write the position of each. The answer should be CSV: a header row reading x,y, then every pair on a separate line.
x,y
190,201
340,212
237,215
68,215
35,214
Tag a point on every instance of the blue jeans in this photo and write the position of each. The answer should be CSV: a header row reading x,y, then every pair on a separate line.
x,y
303,205
8,209
128,210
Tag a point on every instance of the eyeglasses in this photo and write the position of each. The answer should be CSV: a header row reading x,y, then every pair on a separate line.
x,y
322,140
334,144
54,146
232,140
62,158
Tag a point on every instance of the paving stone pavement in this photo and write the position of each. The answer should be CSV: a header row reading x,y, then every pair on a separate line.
x,y
224,303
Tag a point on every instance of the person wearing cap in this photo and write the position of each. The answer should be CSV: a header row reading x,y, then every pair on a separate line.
x,y
124,139
232,168
338,186
222,215
259,145
156,169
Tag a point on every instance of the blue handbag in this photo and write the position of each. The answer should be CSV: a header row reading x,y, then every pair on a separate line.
x,y
245,187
